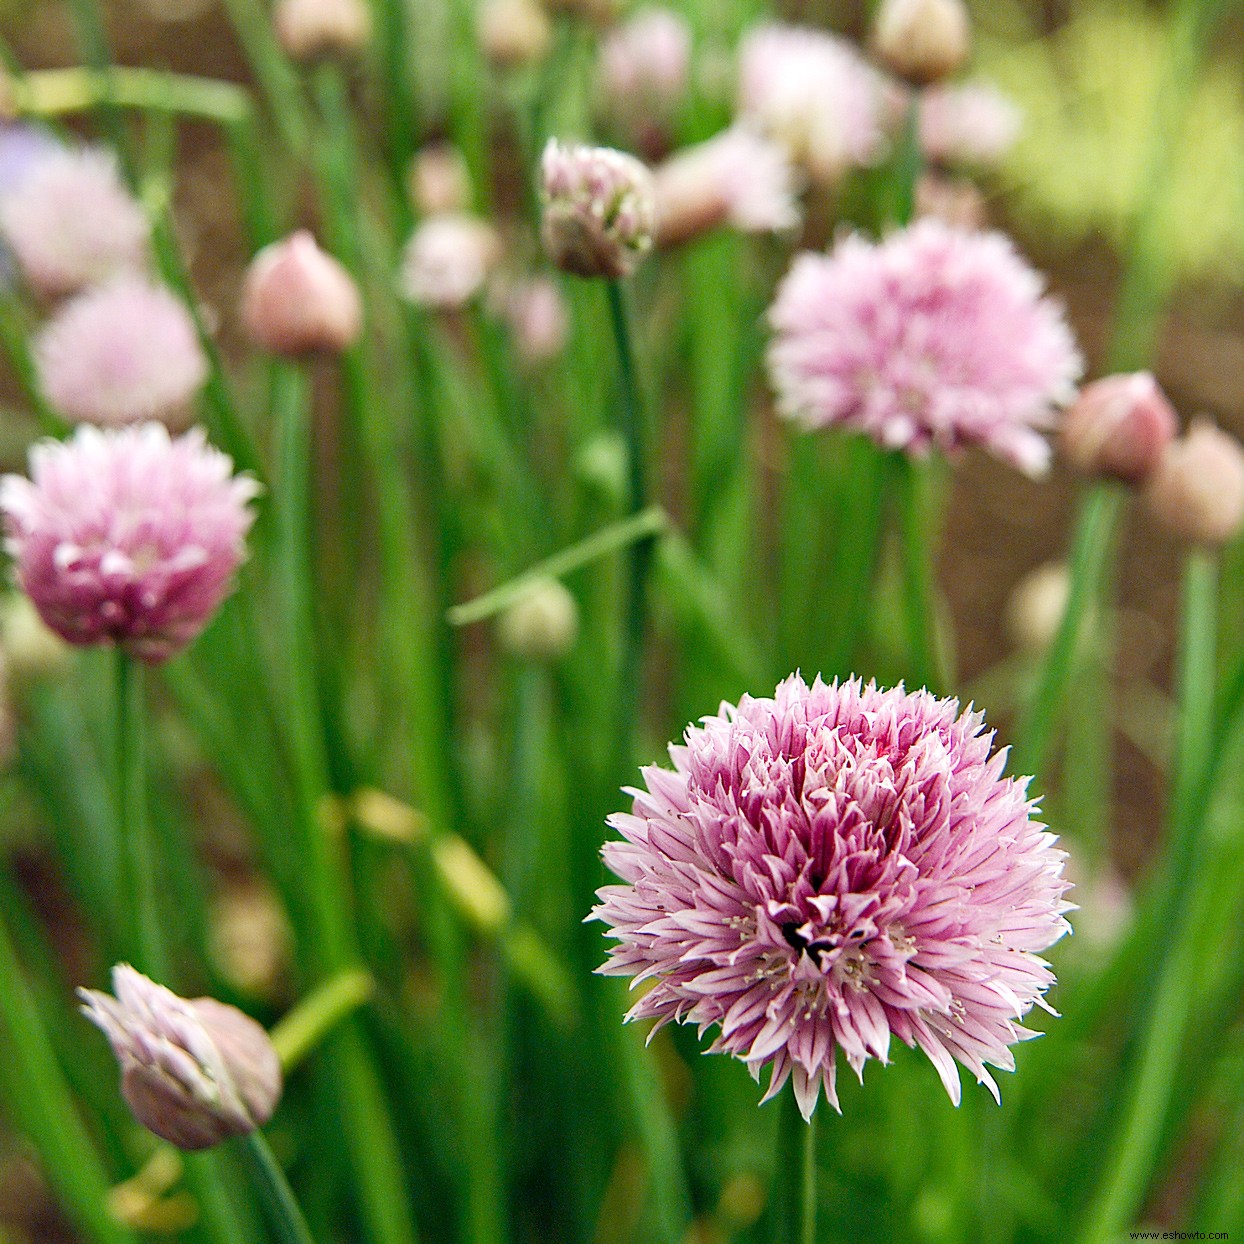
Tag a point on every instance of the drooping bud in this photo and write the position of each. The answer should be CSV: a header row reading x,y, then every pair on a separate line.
x,y
1035,609
513,33
1197,488
1118,428
299,300
599,209
311,28
439,182
447,260
542,624
923,41
193,1071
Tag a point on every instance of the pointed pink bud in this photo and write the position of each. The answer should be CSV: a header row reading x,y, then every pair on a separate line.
x,y
599,209
1197,489
299,300
1118,427
193,1071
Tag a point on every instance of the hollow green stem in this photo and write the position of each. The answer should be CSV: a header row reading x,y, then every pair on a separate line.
x,y
631,427
807,1199
1091,554
1138,1129
283,1211
59,92
133,823
918,613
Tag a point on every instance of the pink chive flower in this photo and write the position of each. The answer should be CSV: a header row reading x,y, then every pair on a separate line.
x,y
969,123
816,95
72,223
126,536
831,868
123,352
738,179
933,337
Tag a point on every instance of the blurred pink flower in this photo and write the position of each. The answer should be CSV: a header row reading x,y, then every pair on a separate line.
x,y
447,260
831,868
123,352
72,223
645,63
126,536
737,178
537,315
969,123
193,1071
816,95
933,337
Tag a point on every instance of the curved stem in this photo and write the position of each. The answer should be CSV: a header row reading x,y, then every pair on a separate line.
x,y
287,1220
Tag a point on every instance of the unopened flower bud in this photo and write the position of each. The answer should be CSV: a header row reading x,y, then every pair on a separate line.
x,y
310,28
599,209
447,260
439,182
299,300
1035,609
1118,427
542,624
193,1071
1197,488
922,40
513,33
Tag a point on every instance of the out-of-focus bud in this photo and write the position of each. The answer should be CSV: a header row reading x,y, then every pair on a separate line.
x,y
542,624
299,300
738,179
195,1072
439,182
447,260
31,648
1197,488
536,313
250,939
513,33
923,41
310,28
1118,427
954,200
1036,607
645,65
599,209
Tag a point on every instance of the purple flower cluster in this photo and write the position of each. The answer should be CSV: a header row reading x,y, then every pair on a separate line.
x,y
831,868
